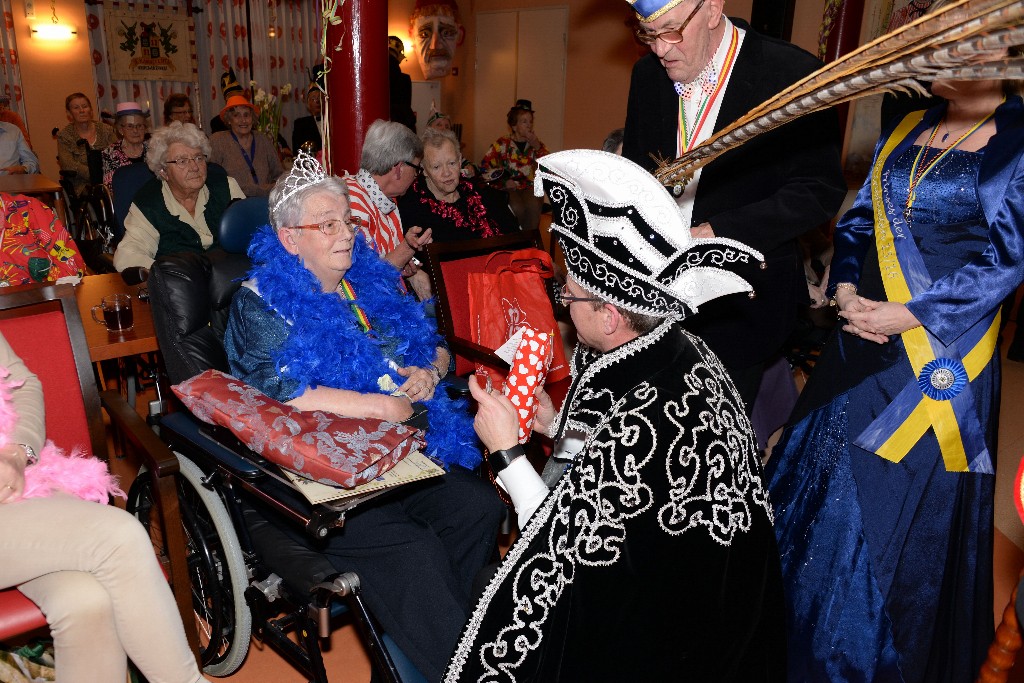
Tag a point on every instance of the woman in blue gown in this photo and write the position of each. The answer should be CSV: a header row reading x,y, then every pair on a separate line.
x,y
883,484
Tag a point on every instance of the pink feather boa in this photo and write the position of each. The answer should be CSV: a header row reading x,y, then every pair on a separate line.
x,y
75,474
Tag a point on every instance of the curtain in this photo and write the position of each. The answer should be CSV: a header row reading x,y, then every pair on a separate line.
x,y
222,40
10,72
287,57
222,43
150,94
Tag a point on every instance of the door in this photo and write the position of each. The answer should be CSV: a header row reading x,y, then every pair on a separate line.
x,y
520,54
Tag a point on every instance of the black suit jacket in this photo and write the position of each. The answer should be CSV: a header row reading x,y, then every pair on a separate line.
x,y
305,129
765,194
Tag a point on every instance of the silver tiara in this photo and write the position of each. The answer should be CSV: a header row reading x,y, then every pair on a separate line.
x,y
306,171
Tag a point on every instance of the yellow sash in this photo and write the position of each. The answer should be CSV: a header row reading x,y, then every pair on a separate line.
x,y
938,415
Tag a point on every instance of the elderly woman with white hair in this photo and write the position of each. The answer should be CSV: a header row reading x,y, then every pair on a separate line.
x,y
179,209
322,325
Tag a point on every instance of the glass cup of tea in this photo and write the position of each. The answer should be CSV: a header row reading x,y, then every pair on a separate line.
x,y
117,312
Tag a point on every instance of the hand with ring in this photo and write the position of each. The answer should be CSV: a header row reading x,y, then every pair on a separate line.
x,y
419,385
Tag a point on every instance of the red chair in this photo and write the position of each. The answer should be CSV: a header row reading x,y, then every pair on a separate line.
x,y
43,326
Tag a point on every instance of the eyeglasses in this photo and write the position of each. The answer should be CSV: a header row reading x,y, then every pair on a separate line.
x,y
185,162
450,165
672,36
181,112
134,126
415,167
564,298
331,227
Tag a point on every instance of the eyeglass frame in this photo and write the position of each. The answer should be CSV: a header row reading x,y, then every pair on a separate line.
x,y
563,298
185,162
651,38
416,167
355,223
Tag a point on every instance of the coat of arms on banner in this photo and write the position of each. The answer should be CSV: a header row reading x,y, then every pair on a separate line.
x,y
149,46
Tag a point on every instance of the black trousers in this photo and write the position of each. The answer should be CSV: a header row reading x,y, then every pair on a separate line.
x,y
417,551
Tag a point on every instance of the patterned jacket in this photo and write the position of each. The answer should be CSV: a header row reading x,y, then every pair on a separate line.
x,y
653,558
518,166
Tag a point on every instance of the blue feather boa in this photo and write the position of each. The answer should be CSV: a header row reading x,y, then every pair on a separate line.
x,y
327,347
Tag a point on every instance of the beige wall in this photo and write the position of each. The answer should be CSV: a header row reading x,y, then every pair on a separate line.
x,y
600,54
50,71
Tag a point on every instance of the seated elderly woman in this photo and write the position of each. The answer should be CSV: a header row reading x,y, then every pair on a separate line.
x,y
130,124
440,199
36,245
247,156
321,324
75,139
179,209
95,576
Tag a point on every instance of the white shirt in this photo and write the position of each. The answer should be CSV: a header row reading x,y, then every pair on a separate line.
x,y
691,105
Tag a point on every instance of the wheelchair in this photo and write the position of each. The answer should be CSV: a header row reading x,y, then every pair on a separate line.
x,y
249,577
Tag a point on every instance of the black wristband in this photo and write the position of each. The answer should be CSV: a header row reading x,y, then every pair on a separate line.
x,y
499,460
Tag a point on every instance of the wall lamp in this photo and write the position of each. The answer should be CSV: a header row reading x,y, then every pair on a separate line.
x,y
52,31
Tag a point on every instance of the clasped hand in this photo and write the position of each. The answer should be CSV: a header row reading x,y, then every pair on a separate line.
x,y
420,383
874,320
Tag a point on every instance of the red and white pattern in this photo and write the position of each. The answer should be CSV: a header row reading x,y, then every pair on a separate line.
x,y
383,230
526,375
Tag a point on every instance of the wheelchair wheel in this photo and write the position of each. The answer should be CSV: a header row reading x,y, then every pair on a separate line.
x,y
215,563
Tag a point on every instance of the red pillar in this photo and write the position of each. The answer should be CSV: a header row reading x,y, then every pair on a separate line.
x,y
357,83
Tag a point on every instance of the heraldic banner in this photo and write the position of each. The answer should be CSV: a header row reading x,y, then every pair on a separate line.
x,y
149,46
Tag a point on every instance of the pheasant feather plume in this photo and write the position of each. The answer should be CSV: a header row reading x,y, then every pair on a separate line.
x,y
966,40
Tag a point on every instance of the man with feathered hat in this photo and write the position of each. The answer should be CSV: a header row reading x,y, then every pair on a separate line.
x,y
652,558
704,72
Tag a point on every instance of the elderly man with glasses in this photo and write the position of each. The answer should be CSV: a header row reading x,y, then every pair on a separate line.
x,y
704,72
389,164
180,208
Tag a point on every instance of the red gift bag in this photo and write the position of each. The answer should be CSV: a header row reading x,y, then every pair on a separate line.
x,y
512,292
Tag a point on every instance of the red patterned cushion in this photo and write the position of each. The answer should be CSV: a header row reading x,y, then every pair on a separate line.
x,y
330,448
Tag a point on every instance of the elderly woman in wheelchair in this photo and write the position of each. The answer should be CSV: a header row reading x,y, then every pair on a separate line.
x,y
322,324
178,209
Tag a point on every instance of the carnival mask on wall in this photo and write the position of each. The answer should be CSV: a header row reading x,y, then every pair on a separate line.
x,y
436,32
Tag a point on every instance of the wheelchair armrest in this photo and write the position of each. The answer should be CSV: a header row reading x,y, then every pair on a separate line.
x,y
476,352
157,457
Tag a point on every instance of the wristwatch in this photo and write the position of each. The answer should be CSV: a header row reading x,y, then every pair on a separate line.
x,y
31,457
499,460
